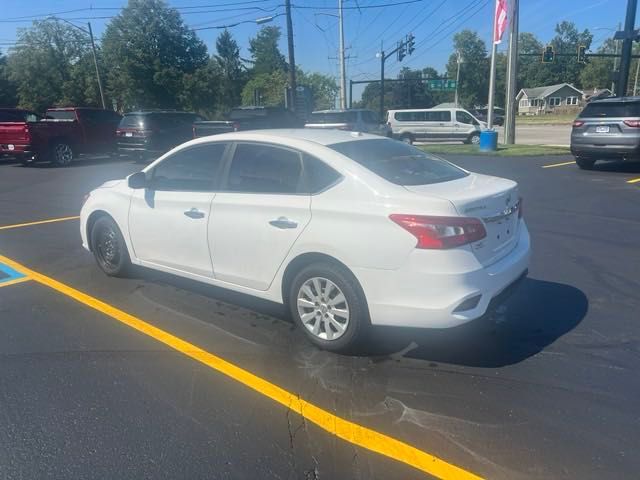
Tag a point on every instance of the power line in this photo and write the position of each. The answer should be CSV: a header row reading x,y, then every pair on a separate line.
x,y
377,5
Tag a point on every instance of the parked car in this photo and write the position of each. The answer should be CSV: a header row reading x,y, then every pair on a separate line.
x,y
607,129
289,216
435,124
356,120
59,136
248,118
482,114
147,133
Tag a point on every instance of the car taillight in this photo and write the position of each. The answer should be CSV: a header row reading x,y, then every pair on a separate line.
x,y
193,131
236,126
632,123
578,123
441,232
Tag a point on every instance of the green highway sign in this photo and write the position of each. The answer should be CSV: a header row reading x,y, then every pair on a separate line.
x,y
441,84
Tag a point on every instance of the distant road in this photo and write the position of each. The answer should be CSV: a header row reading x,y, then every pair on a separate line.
x,y
540,134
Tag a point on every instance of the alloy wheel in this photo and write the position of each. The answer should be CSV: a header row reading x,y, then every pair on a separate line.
x,y
64,154
323,308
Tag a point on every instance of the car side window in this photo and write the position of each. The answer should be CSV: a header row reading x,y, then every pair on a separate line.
x,y
318,175
194,169
258,168
464,117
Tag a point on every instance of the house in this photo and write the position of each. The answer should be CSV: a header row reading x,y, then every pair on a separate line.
x,y
541,100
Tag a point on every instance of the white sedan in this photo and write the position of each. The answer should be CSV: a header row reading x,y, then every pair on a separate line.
x,y
347,229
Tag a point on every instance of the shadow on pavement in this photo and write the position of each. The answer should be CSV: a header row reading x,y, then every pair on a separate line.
x,y
535,316
617,166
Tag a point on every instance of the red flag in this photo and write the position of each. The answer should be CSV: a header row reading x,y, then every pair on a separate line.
x,y
500,20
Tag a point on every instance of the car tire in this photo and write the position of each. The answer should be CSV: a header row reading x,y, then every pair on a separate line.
x,y
61,154
316,311
406,138
109,248
474,139
585,163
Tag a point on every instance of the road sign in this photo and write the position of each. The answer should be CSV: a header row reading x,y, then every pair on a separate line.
x,y
441,84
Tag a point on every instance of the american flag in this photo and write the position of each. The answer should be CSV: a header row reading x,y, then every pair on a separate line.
x,y
500,20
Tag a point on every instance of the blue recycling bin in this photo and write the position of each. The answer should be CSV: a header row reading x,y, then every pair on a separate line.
x,y
488,141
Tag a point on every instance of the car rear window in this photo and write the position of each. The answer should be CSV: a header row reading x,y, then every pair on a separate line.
x,y
61,114
399,162
333,117
611,109
132,121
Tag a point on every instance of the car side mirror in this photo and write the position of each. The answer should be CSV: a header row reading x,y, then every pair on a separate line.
x,y
138,180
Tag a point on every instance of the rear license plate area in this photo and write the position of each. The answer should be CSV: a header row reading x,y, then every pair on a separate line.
x,y
602,129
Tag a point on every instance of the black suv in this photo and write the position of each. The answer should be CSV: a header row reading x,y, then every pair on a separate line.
x,y
147,133
607,129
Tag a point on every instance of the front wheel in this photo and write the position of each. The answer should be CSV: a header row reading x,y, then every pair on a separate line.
x,y
109,248
326,302
474,139
585,163
61,154
406,138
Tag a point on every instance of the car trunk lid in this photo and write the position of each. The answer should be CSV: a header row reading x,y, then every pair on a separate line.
x,y
14,133
493,200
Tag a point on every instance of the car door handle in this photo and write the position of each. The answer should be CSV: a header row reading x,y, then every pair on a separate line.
x,y
283,222
194,213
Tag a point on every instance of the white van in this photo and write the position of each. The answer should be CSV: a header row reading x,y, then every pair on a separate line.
x,y
435,124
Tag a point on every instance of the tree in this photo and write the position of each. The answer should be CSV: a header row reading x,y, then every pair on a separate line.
x,y
200,90
46,63
567,40
266,56
8,89
324,89
597,72
232,74
149,50
474,71
529,67
269,87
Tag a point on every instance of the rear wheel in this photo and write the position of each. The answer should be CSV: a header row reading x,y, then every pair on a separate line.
x,y
585,163
406,138
326,302
109,248
61,154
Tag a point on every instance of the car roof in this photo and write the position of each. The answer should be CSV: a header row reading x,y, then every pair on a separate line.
x,y
71,109
616,100
342,110
446,109
153,112
316,135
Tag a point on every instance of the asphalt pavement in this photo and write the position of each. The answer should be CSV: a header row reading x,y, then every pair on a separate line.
x,y
95,382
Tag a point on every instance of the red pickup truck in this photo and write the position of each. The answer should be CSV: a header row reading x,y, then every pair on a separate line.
x,y
59,136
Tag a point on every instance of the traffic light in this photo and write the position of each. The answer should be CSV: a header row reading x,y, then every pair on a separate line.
x,y
548,55
411,43
582,55
402,51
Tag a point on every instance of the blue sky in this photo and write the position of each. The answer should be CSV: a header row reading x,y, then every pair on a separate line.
x,y
433,22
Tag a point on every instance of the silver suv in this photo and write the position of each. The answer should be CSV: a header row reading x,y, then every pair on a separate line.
x,y
607,129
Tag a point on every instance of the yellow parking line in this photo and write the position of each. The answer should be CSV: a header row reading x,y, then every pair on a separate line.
x,y
39,222
559,164
341,428
14,281
634,180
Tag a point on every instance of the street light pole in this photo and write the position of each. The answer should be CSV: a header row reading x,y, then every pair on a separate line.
x,y
343,73
95,62
512,77
628,36
458,61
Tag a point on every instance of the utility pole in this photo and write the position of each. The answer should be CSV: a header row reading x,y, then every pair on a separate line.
x,y
95,62
615,63
382,60
628,35
292,60
343,73
512,76
635,82
458,61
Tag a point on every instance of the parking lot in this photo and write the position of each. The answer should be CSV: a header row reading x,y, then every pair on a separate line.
x,y
159,377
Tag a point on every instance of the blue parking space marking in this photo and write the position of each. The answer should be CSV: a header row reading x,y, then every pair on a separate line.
x,y
8,274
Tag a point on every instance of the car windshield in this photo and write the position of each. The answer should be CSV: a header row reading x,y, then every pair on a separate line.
x,y
61,114
398,162
132,121
611,109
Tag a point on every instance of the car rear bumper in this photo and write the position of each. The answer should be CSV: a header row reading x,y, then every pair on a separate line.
x,y
414,296
605,148
17,150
